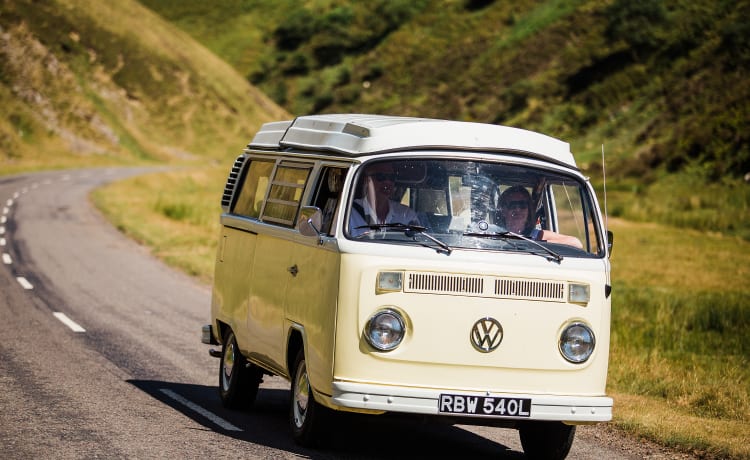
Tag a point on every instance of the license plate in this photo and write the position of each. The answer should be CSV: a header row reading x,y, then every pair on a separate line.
x,y
489,406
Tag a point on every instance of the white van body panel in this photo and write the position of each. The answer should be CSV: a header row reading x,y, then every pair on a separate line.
x,y
366,134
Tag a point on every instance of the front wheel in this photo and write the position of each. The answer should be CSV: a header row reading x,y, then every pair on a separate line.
x,y
546,440
238,379
307,418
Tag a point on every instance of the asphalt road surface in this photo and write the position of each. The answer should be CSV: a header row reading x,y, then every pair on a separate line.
x,y
100,355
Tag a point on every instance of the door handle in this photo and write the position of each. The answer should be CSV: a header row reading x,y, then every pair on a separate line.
x,y
293,270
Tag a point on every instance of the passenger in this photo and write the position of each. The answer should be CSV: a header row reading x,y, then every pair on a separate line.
x,y
517,215
377,205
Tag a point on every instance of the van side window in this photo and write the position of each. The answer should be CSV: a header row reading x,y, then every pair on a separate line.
x,y
286,193
574,216
254,187
328,195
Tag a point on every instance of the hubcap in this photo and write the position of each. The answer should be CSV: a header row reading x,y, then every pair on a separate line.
x,y
228,365
301,395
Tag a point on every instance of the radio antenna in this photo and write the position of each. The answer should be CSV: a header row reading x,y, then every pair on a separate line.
x,y
604,182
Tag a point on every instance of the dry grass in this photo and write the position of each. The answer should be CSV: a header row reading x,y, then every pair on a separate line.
x,y
674,258
679,364
175,214
657,420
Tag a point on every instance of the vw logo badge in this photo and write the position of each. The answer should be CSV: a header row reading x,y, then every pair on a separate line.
x,y
486,334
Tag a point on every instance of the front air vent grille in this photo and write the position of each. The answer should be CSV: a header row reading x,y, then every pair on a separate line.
x,y
529,289
445,284
234,176
485,286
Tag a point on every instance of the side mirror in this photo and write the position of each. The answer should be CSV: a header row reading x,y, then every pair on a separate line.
x,y
610,242
310,221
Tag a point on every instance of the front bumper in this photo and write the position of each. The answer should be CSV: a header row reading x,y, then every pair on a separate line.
x,y
207,335
570,409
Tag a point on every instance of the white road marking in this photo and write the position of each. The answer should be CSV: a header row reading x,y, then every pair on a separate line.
x,y
2,230
6,210
24,282
3,219
16,195
2,242
208,414
68,322
9,202
6,259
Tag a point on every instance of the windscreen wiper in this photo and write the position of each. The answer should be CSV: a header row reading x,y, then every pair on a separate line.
x,y
410,230
508,234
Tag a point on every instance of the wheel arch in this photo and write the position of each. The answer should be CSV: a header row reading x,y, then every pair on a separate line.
x,y
221,330
295,342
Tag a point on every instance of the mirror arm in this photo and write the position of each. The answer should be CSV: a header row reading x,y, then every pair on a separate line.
x,y
312,225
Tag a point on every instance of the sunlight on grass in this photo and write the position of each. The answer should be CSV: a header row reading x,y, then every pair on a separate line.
x,y
175,214
674,258
679,363
658,420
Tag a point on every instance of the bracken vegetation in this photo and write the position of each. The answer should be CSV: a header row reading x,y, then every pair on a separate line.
x,y
663,82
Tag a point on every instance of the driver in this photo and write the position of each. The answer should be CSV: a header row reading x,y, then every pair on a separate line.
x,y
377,205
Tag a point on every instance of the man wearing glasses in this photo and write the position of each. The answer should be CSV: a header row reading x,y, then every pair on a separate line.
x,y
377,205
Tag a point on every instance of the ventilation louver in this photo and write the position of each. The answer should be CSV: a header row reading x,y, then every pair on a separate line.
x,y
485,286
234,176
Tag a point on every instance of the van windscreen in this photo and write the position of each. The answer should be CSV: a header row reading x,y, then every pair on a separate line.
x,y
474,205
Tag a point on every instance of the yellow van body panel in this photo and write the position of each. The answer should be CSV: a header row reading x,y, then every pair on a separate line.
x,y
292,271
312,307
233,274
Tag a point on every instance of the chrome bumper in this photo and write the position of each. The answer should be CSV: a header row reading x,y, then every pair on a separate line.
x,y
207,335
570,409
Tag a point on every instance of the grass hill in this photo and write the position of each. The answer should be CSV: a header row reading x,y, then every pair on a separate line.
x,y
662,86
86,82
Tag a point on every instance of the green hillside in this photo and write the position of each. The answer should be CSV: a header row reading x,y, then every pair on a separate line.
x,y
85,82
661,86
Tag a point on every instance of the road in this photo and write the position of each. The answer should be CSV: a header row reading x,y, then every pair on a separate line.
x,y
100,355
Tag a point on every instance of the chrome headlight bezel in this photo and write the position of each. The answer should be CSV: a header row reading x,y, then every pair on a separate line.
x,y
577,342
385,330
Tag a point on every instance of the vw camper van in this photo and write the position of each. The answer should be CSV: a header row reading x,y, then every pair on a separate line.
x,y
446,269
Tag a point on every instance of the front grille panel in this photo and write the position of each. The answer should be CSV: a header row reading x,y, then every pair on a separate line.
x,y
485,286
530,289
444,284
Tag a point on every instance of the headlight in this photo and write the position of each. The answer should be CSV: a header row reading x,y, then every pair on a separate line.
x,y
385,330
577,342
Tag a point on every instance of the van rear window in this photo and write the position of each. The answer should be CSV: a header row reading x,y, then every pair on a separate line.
x,y
254,187
286,192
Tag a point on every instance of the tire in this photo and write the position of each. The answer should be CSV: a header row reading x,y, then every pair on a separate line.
x,y
546,440
308,419
238,379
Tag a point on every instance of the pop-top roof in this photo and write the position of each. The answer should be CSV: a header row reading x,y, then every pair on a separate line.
x,y
357,134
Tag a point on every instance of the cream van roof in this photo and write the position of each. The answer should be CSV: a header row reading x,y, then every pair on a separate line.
x,y
356,135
